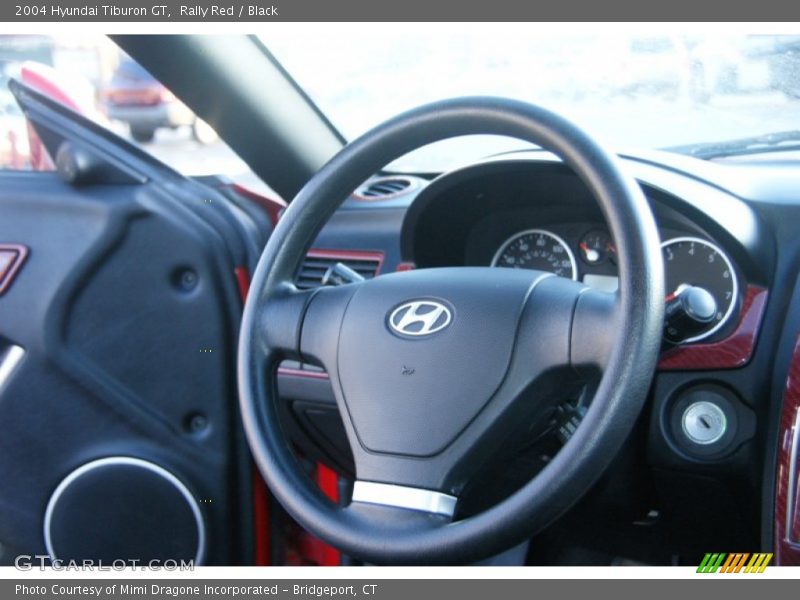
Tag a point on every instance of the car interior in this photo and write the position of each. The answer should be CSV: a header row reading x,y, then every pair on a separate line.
x,y
566,353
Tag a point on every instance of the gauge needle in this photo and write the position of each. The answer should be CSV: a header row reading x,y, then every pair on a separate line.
x,y
591,254
677,291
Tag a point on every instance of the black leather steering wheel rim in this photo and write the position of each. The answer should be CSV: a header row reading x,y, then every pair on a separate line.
x,y
411,537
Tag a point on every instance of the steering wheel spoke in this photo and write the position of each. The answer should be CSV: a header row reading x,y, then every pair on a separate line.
x,y
322,321
596,326
302,324
278,319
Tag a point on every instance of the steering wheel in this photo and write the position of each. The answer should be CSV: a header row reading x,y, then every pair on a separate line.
x,y
433,369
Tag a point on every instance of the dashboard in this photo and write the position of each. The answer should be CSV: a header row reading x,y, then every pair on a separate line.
x,y
532,216
729,245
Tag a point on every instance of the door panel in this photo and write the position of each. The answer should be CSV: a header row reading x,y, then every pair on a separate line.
x,y
121,326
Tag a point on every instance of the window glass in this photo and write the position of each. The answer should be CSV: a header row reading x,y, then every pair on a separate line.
x,y
93,76
635,87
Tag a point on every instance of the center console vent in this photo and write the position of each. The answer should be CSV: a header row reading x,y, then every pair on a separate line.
x,y
317,263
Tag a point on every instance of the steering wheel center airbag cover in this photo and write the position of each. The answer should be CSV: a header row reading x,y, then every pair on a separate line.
x,y
411,394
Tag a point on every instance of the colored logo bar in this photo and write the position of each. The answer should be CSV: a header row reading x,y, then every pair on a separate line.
x,y
736,562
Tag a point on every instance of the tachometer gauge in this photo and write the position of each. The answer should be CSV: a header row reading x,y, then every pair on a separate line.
x,y
690,261
537,249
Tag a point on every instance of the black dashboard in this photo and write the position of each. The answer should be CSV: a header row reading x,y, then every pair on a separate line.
x,y
726,228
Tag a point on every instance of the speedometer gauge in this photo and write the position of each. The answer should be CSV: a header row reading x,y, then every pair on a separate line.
x,y
537,249
690,261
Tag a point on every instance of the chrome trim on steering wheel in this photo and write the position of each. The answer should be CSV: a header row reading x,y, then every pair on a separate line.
x,y
401,496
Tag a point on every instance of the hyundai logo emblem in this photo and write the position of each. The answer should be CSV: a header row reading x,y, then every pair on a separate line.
x,y
420,317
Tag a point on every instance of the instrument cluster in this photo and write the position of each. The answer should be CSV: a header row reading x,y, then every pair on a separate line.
x,y
700,277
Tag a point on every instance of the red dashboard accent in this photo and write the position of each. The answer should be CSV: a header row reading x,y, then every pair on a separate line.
x,y
787,491
11,258
272,206
732,352
405,266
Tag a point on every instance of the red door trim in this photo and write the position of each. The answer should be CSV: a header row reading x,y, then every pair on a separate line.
x,y
262,552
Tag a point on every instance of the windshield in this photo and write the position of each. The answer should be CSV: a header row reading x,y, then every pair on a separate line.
x,y
650,90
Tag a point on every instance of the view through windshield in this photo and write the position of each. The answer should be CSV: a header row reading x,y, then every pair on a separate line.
x,y
650,90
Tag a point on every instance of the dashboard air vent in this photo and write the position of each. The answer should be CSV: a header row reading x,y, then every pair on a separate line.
x,y
317,262
383,188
